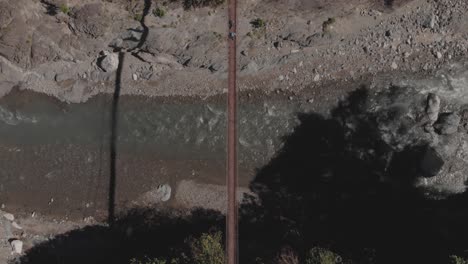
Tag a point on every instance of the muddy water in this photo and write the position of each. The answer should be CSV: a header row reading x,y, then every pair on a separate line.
x,y
55,158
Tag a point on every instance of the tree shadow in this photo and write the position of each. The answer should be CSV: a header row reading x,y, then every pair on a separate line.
x,y
140,233
115,115
335,183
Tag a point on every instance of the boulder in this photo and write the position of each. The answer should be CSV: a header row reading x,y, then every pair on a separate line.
x,y
128,39
447,123
160,194
164,192
9,217
432,107
109,63
17,246
6,14
90,20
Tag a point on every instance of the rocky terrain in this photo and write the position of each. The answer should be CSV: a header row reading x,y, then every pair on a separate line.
x,y
410,55
298,46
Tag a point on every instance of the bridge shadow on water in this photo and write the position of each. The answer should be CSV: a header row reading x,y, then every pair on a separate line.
x,y
335,184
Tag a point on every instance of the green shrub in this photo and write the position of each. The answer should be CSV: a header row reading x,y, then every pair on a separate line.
x,y
156,261
148,261
208,249
218,35
138,17
65,9
159,12
319,255
258,23
457,260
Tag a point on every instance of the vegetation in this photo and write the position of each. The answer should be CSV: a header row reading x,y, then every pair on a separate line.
x,y
65,9
138,17
207,249
159,12
259,28
217,35
287,256
319,255
258,23
458,260
148,261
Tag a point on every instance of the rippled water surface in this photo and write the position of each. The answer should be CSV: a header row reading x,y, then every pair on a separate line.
x,y
51,150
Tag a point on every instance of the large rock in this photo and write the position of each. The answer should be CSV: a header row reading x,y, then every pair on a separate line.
x,y
160,194
17,246
447,123
109,62
432,107
9,217
6,14
128,39
90,20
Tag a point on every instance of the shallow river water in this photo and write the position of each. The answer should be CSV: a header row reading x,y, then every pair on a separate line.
x,y
55,157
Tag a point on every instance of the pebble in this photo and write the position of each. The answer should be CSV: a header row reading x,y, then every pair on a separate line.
x,y
447,123
317,78
439,55
394,65
9,217
281,77
134,77
432,22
